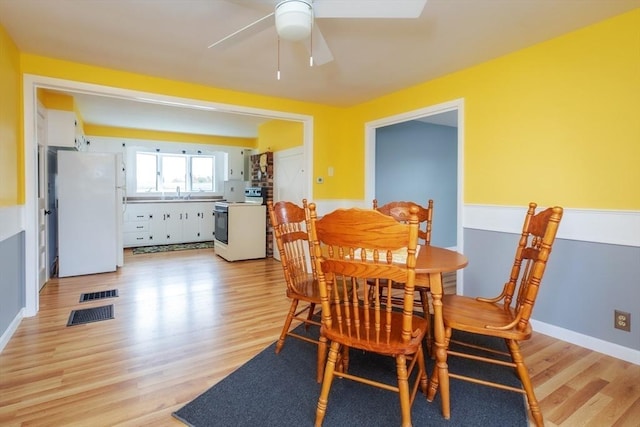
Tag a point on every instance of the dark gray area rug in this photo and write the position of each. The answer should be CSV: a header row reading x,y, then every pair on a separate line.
x,y
88,315
169,248
280,390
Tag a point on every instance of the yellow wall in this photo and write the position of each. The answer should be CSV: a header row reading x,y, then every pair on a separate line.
x,y
278,135
56,101
556,123
116,132
11,160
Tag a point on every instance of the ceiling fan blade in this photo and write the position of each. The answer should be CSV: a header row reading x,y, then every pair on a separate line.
x,y
368,8
246,31
319,49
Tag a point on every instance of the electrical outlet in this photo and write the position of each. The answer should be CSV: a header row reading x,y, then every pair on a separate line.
x,y
622,320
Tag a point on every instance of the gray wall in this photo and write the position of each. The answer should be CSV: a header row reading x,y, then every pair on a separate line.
x,y
417,161
12,285
583,283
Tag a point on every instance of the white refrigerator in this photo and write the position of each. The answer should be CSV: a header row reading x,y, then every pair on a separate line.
x,y
90,194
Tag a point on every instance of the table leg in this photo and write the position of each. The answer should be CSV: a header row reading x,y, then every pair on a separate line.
x,y
440,377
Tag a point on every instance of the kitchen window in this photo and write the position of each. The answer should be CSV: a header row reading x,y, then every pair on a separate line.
x,y
166,173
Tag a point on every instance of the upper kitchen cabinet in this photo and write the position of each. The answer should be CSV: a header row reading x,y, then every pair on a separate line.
x,y
63,130
235,165
239,163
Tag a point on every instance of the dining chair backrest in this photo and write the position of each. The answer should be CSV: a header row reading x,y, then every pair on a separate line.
x,y
532,253
356,246
400,211
290,224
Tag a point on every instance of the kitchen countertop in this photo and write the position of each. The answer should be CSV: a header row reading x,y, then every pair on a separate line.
x,y
132,200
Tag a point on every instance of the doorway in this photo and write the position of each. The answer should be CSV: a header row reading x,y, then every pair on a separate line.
x,y
432,114
33,209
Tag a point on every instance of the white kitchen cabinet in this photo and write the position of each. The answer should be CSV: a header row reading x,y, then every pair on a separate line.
x,y
157,224
207,223
173,217
63,130
166,223
197,222
236,164
136,227
191,222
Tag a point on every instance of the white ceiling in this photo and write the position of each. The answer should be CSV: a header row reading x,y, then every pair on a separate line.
x,y
373,57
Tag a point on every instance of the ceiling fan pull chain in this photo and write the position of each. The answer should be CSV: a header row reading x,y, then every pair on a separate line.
x,y
278,73
311,44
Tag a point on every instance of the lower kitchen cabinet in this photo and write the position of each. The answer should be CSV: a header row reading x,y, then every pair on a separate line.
x,y
136,227
165,223
197,222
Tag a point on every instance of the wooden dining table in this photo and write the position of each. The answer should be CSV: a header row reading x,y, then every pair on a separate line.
x,y
433,261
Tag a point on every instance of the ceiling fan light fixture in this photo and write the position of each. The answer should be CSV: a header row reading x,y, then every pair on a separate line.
x,y
294,19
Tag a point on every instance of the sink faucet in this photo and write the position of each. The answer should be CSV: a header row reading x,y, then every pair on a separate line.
x,y
178,191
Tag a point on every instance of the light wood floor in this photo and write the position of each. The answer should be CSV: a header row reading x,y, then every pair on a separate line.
x,y
184,320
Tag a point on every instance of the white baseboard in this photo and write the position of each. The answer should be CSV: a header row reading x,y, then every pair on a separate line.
x,y
595,344
13,326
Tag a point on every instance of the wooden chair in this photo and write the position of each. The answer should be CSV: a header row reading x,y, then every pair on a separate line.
x,y
400,211
506,316
353,247
290,223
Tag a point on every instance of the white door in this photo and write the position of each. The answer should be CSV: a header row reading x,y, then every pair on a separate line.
x,y
43,270
289,181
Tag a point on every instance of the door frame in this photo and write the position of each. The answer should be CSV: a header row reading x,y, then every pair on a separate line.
x,y
370,157
31,83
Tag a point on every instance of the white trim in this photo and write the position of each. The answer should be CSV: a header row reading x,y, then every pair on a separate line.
x,y
32,82
11,219
595,344
11,329
308,154
588,225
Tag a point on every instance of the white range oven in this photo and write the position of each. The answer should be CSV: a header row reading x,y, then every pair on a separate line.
x,y
241,227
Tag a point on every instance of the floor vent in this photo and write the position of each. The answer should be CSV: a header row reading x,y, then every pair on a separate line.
x,y
88,315
91,296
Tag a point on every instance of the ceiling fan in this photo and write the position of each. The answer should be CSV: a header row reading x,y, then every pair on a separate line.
x,y
295,20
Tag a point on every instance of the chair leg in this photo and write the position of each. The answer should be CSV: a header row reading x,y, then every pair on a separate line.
x,y
523,373
440,376
422,367
424,299
403,387
326,383
312,309
287,325
344,359
322,358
